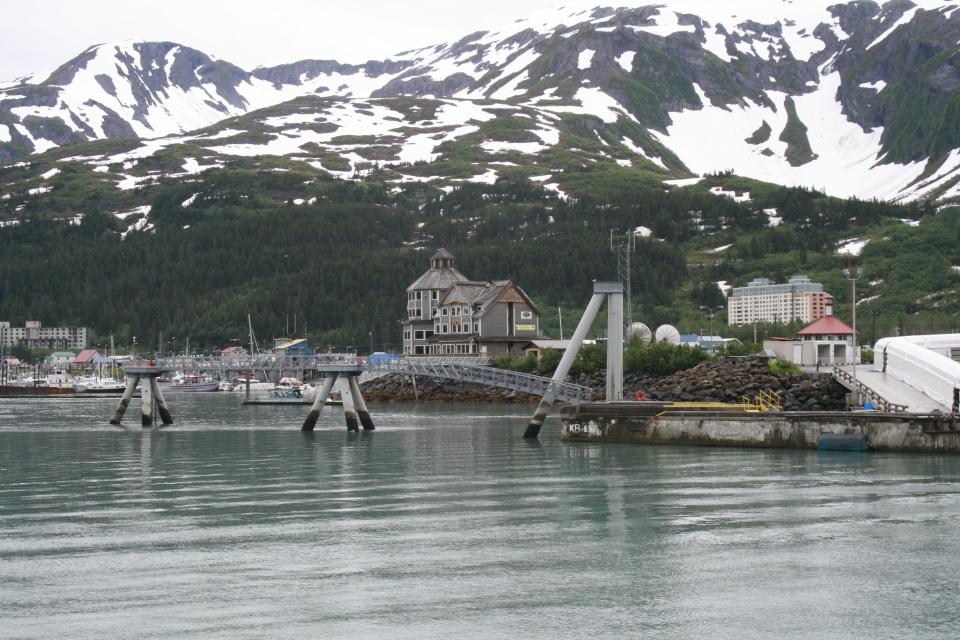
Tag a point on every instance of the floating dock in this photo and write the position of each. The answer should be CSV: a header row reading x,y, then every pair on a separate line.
x,y
293,401
669,424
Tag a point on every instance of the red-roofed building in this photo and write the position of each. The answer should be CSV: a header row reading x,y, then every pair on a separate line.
x,y
85,357
827,341
826,328
90,356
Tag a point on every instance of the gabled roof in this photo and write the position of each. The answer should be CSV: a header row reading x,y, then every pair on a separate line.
x,y
465,292
485,294
442,253
85,356
827,325
293,343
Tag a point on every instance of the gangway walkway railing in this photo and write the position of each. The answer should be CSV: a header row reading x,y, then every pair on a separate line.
x,y
463,369
864,392
565,392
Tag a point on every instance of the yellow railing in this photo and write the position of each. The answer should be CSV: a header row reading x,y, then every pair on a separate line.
x,y
764,401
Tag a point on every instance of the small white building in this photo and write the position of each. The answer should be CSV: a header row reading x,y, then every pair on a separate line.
x,y
826,342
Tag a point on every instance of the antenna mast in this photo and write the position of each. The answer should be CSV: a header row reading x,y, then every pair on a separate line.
x,y
624,245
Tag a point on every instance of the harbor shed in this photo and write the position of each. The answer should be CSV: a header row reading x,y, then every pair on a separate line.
x,y
828,341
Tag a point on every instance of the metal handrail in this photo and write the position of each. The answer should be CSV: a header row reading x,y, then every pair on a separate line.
x,y
465,369
566,392
842,375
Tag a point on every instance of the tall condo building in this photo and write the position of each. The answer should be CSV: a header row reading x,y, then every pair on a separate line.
x,y
35,335
764,301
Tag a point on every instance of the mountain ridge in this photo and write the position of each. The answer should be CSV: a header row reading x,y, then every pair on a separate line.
x,y
633,89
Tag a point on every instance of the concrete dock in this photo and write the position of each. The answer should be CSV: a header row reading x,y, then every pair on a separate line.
x,y
658,423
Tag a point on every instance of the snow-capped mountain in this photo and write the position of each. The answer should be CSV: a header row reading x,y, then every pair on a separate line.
x,y
855,98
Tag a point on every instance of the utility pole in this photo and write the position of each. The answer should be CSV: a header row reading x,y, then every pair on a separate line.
x,y
623,246
853,275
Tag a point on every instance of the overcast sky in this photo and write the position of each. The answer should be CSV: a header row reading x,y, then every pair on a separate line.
x,y
39,35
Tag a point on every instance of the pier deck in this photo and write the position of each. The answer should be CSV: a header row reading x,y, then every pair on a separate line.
x,y
657,423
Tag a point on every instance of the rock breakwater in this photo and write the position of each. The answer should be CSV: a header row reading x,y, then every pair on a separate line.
x,y
727,381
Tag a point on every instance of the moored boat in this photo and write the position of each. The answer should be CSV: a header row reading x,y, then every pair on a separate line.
x,y
195,383
99,385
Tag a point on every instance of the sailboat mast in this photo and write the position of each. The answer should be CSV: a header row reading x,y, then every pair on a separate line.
x,y
250,329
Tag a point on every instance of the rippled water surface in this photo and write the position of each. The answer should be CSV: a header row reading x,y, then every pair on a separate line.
x,y
444,523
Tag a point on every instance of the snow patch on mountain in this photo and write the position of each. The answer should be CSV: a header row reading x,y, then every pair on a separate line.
x,y
585,59
711,139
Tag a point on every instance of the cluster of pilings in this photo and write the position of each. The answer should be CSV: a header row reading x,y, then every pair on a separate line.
x,y
149,390
355,411
354,407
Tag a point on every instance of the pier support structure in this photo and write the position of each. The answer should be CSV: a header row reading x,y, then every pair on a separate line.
x,y
355,412
361,406
613,293
146,378
311,422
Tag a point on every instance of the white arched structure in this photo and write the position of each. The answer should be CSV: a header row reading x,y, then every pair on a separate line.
x,y
924,363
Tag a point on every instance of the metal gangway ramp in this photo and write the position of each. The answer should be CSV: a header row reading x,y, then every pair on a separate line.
x,y
464,369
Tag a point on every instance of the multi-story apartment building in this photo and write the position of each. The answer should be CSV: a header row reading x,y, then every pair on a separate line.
x,y
764,301
35,335
447,314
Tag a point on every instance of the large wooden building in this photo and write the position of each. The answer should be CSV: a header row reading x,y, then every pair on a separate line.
x,y
447,314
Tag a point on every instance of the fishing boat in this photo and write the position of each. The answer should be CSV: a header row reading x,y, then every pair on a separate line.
x,y
57,383
93,384
195,383
240,385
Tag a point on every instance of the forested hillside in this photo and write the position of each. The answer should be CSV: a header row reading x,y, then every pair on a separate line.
x,y
338,255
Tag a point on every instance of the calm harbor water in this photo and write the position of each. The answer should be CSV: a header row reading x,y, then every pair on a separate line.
x,y
444,523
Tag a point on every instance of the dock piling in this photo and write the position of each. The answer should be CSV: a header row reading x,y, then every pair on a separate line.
x,y
165,416
311,422
360,404
132,381
146,403
349,411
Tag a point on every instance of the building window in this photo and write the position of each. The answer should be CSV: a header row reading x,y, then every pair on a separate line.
x,y
455,312
526,315
476,327
446,328
406,335
443,311
420,335
418,351
434,294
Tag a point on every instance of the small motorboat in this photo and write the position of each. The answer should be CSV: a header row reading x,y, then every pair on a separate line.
x,y
99,385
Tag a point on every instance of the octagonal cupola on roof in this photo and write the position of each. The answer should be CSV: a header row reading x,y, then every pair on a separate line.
x,y
442,274
443,259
